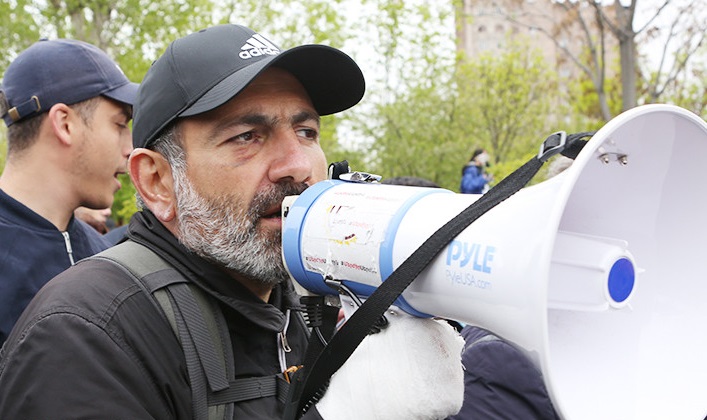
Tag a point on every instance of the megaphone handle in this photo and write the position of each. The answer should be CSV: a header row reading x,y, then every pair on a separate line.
x,y
312,378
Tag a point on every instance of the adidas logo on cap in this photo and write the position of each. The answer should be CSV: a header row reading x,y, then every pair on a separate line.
x,y
256,46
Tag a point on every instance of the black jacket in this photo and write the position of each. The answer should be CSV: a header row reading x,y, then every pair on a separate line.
x,y
92,345
32,251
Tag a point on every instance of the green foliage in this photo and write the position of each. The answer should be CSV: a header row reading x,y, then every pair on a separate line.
x,y
124,205
18,29
289,22
691,95
509,96
415,138
412,44
338,149
688,89
500,103
140,30
133,32
584,99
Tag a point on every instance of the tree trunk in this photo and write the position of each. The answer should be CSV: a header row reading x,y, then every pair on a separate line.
x,y
604,104
627,49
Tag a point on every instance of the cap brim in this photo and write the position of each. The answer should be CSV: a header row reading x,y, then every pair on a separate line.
x,y
126,93
332,79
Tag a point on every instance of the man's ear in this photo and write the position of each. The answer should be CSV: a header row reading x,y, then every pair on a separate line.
x,y
62,121
152,177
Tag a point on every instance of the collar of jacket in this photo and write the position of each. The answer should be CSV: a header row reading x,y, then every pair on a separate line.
x,y
18,214
145,229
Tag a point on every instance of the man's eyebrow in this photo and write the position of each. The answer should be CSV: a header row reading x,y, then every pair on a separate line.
x,y
246,119
256,119
303,116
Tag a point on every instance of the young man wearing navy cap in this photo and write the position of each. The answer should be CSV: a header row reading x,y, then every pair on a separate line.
x,y
195,315
67,106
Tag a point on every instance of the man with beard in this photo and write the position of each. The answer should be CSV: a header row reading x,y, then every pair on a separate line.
x,y
226,125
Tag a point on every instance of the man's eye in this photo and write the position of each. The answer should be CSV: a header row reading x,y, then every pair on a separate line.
x,y
244,137
308,133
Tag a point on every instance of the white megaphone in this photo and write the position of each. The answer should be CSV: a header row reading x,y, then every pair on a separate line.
x,y
599,273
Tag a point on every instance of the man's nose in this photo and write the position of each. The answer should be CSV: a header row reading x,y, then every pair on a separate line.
x,y
291,160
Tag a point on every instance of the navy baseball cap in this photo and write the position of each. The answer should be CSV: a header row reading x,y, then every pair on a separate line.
x,y
61,71
204,70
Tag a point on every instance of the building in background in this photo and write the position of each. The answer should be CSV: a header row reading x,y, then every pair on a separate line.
x,y
558,31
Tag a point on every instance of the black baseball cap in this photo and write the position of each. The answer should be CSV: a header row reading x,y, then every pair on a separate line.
x,y
204,70
61,71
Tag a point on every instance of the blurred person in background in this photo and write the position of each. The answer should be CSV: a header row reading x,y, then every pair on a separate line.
x,y
475,179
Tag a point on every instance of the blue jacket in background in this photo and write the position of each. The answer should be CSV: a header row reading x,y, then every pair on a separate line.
x,y
500,382
473,180
32,251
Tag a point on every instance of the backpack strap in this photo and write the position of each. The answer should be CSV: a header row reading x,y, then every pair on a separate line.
x,y
201,329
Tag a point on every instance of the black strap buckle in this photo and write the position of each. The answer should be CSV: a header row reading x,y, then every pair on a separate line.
x,y
336,169
553,144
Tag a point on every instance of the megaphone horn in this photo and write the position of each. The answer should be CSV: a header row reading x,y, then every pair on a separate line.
x,y
597,273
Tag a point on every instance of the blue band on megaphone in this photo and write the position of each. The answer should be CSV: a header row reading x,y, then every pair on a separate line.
x,y
386,249
292,236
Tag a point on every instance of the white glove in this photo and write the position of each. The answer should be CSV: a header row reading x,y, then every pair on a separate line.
x,y
410,370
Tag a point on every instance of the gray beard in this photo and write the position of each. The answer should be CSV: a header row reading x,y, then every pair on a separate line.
x,y
217,230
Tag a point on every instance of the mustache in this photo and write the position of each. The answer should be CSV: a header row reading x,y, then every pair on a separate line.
x,y
264,201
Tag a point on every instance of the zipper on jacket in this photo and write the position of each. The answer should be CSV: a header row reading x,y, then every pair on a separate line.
x,y
67,241
284,346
